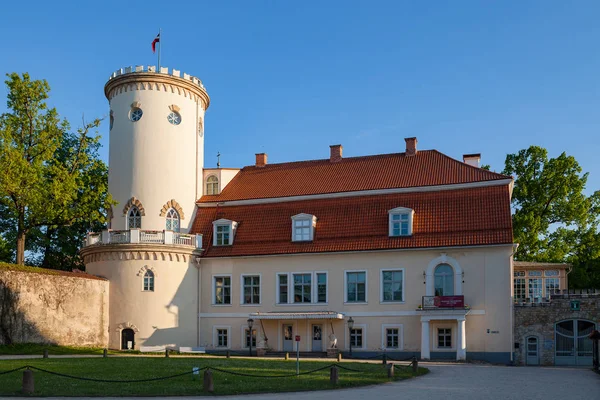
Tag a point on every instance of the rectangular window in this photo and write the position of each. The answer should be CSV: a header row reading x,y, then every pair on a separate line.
x,y
392,338
283,288
356,337
551,272
519,273
444,338
356,286
520,290
302,230
400,224
251,287
552,286
535,273
222,290
321,287
391,283
223,235
222,337
535,290
247,337
302,288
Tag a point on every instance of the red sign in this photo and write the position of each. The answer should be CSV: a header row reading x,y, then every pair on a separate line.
x,y
449,301
297,338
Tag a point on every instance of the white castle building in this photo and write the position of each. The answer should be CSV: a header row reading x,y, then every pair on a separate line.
x,y
409,252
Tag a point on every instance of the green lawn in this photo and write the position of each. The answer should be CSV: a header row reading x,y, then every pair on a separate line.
x,y
129,368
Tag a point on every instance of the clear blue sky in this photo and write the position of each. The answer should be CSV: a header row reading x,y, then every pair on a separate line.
x,y
290,78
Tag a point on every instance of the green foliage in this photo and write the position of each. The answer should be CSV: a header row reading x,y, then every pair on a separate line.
x,y
50,176
129,368
554,220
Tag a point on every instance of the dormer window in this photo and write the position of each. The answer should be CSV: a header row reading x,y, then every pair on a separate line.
x,y
400,221
223,232
303,227
212,185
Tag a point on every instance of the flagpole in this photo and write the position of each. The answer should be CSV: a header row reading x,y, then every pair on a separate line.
x,y
159,46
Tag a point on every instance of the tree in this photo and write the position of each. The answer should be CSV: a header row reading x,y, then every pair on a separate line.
x,y
50,177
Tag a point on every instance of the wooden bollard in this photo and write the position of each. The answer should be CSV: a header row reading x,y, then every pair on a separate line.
x,y
390,370
208,385
28,385
339,357
105,353
166,353
334,375
45,353
287,356
415,365
228,355
384,359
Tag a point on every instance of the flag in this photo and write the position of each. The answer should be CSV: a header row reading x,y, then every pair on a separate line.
x,y
156,40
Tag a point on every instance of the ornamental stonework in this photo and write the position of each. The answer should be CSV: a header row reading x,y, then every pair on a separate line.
x,y
134,202
174,205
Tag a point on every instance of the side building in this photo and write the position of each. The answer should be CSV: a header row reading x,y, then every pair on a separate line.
x,y
410,253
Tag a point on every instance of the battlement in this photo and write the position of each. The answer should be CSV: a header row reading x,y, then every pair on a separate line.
x,y
152,69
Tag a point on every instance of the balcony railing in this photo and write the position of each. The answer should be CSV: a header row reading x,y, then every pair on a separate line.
x,y
443,302
144,237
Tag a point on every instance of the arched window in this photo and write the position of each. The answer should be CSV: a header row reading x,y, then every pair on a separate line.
x,y
172,220
444,280
149,281
212,185
134,218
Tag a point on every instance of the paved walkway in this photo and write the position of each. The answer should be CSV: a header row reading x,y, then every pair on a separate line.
x,y
464,382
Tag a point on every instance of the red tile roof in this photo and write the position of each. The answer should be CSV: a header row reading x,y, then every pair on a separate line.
x,y
462,217
384,171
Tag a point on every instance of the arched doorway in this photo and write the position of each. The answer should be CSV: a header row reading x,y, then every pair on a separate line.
x,y
533,351
127,339
573,345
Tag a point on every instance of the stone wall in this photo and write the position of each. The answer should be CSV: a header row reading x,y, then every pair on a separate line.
x,y
45,306
539,320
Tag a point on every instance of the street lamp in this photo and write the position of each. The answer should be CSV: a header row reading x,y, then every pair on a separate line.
x,y
350,326
250,323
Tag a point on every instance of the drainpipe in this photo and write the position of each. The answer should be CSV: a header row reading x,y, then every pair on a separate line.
x,y
199,295
512,309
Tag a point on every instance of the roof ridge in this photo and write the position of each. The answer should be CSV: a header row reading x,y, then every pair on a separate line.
x,y
472,166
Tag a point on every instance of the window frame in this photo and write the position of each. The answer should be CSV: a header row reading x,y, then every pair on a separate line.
x,y
363,327
531,290
167,218
151,276
214,290
232,229
381,291
451,278
215,192
244,328
400,211
314,289
447,335
242,276
384,328
523,291
139,217
556,290
366,301
216,329
311,228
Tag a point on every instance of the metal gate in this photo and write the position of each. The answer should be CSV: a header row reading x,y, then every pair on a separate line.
x,y
573,346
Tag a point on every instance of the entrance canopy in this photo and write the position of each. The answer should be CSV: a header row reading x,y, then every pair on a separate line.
x,y
298,315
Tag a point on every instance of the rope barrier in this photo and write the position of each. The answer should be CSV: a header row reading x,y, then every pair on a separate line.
x,y
113,380
12,370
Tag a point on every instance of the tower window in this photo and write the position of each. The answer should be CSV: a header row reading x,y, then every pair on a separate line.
x,y
174,118
212,185
172,220
112,121
136,114
149,281
134,218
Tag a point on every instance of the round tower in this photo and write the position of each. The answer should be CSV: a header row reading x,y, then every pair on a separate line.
x,y
156,155
156,151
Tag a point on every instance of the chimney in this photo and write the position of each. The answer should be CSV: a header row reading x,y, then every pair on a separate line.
x,y
261,159
411,146
472,159
335,153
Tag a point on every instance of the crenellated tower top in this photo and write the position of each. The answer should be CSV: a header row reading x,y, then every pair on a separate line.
x,y
143,77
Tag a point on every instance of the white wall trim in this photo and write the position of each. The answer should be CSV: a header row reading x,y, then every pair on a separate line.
x,y
384,328
430,281
430,315
433,188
